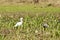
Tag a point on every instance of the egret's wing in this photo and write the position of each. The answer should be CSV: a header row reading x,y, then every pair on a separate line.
x,y
16,24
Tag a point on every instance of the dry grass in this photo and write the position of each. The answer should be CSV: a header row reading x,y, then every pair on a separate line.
x,y
43,3
32,28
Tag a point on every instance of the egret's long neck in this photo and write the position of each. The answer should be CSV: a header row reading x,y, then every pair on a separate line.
x,y
21,20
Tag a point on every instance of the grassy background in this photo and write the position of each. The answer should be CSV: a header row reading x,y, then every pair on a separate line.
x,y
33,16
28,8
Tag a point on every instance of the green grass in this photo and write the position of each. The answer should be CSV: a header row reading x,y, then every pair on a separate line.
x,y
1,38
33,20
28,8
30,25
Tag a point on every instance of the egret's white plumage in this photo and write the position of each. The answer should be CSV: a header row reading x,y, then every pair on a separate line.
x,y
19,23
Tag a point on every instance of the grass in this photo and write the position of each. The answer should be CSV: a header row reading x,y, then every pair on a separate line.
x,y
28,8
33,19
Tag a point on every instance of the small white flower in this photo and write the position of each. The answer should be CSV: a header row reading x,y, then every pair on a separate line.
x,y
11,16
55,20
47,33
36,31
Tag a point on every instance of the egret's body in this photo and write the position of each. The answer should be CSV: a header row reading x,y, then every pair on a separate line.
x,y
19,23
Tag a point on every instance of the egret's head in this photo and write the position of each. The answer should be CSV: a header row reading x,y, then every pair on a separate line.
x,y
21,18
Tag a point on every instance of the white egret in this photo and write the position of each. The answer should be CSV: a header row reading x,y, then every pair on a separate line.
x,y
19,23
